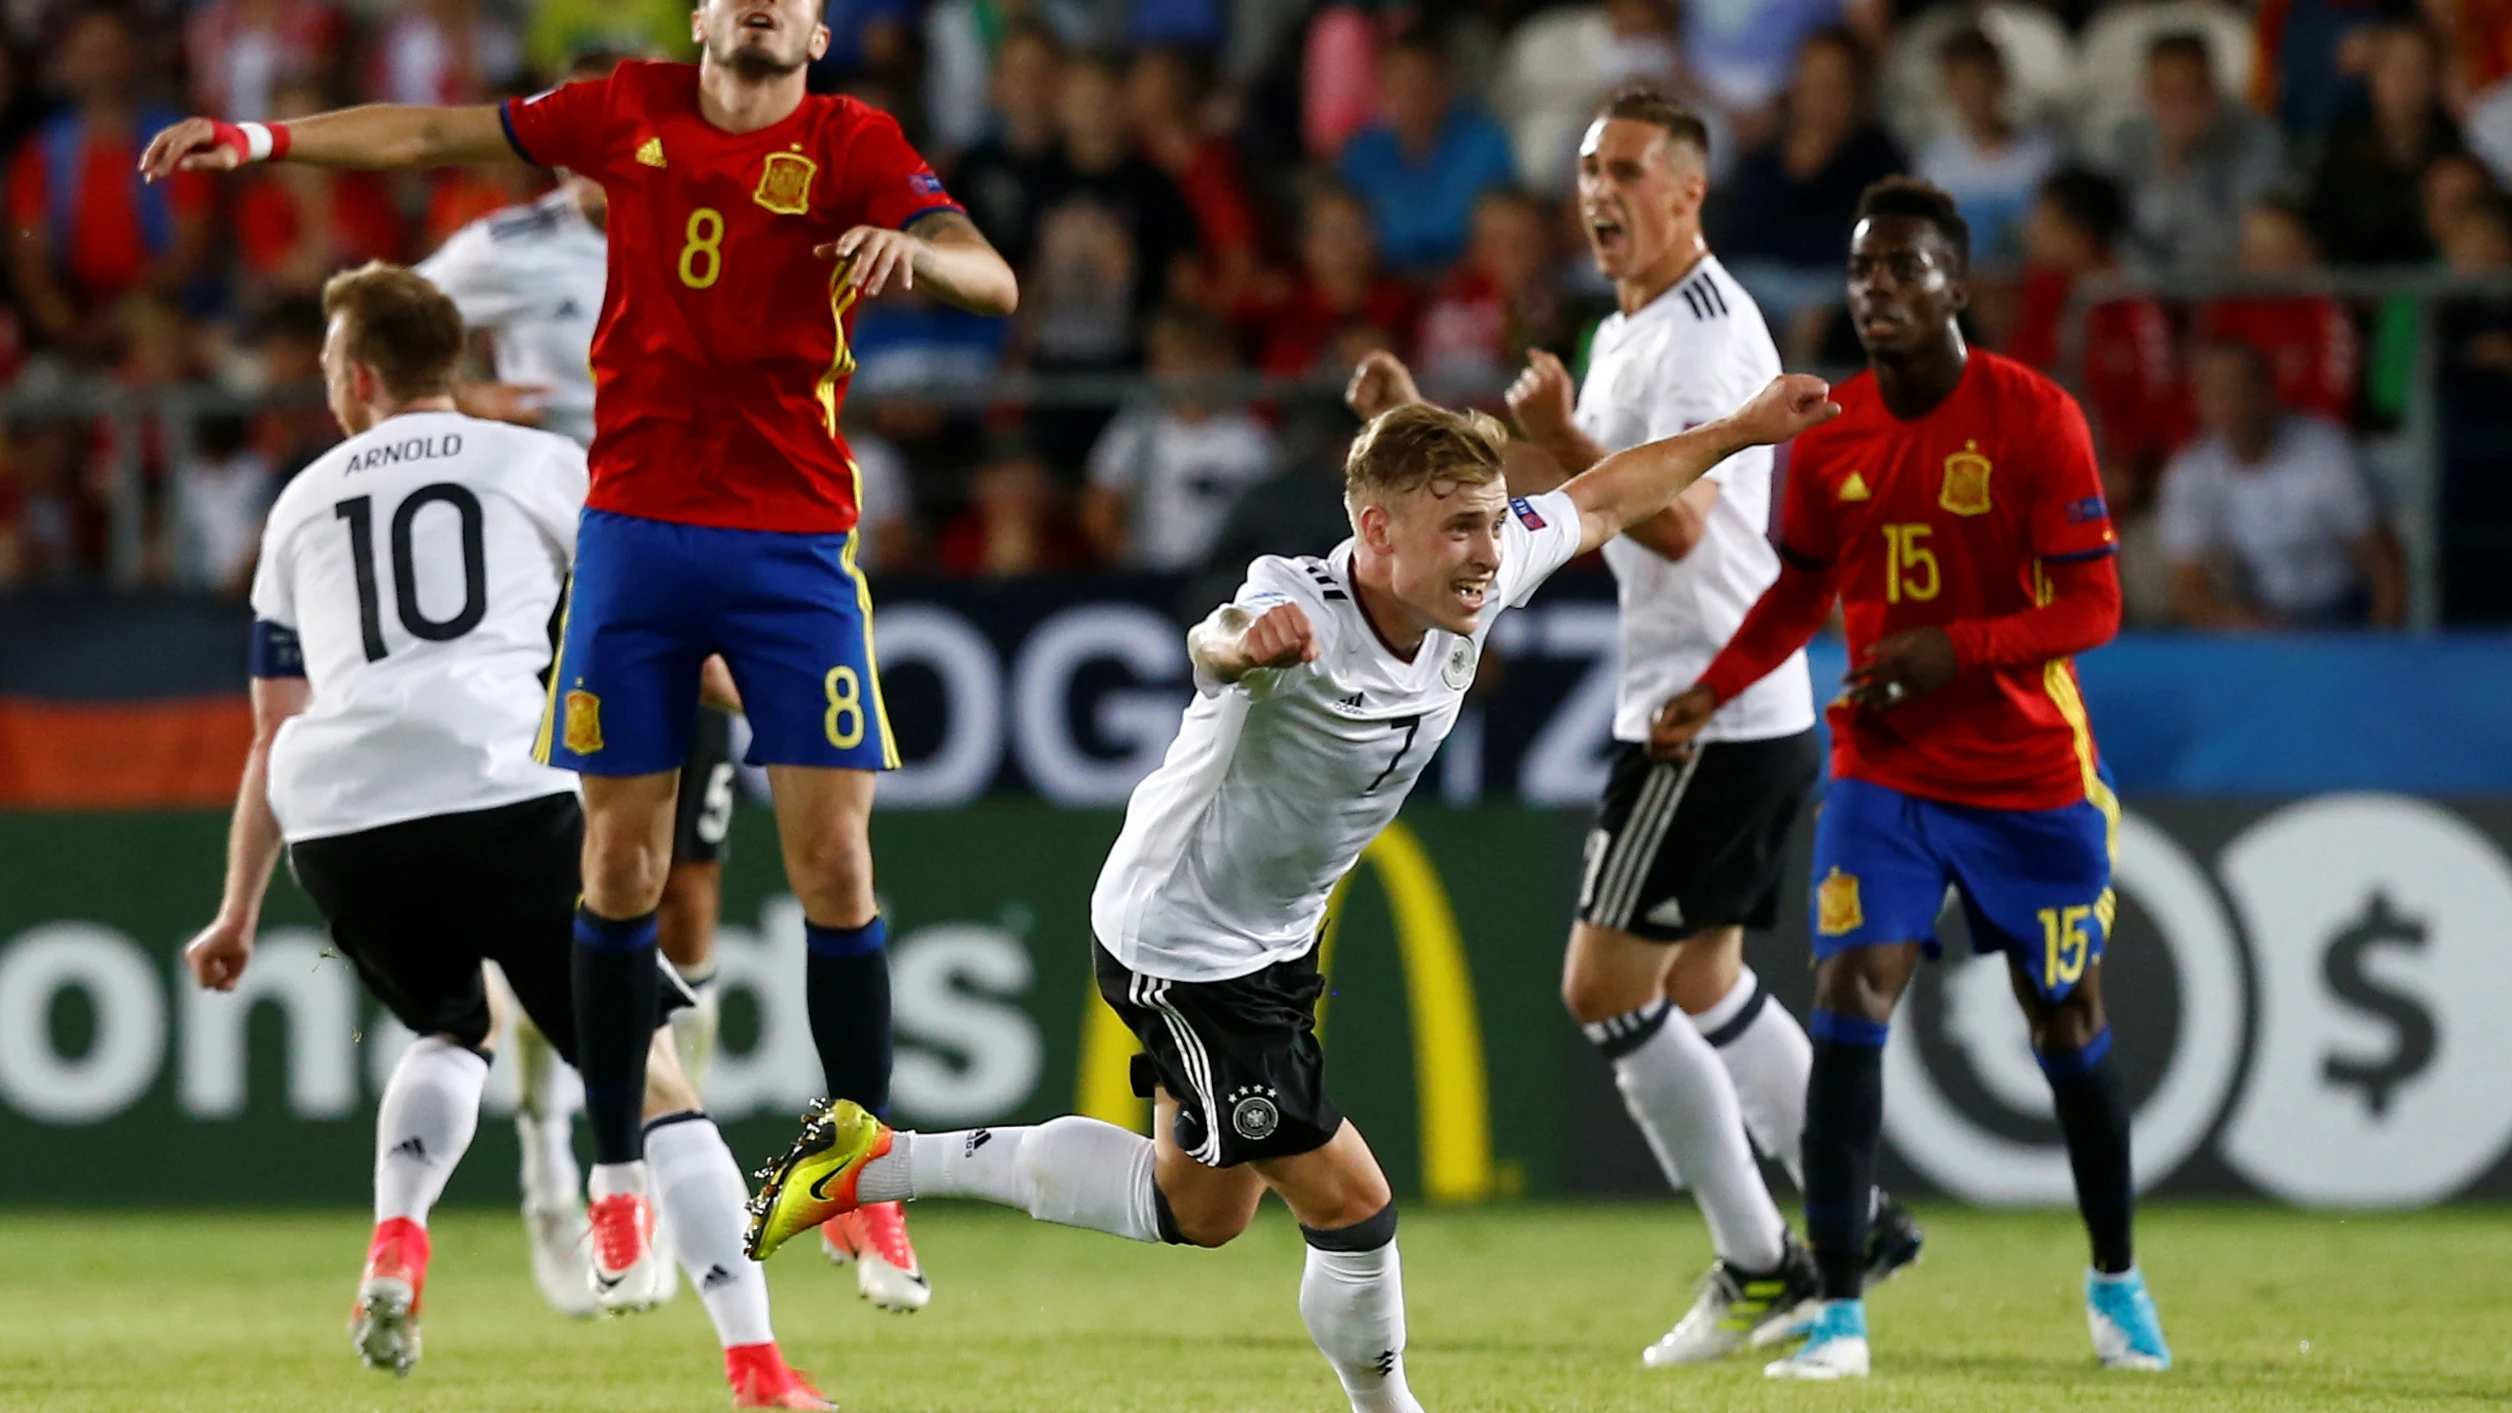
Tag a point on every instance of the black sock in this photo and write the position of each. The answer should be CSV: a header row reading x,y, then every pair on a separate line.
x,y
618,986
1844,1121
2093,1113
847,985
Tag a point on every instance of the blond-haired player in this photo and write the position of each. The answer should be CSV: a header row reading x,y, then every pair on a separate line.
x,y
1323,687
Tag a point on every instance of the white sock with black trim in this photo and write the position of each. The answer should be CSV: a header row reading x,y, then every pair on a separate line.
x,y
1769,1058
1352,1300
1072,1171
424,1123
1685,1104
700,1195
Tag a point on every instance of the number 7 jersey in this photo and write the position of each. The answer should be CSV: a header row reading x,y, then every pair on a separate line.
x,y
1947,517
721,359
412,576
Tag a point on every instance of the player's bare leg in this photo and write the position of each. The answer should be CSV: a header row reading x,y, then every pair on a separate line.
x,y
616,982
823,825
1620,987
2071,1036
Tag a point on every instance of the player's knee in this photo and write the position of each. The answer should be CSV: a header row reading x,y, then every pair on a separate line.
x,y
623,873
2069,1024
1855,984
831,872
1591,999
1705,968
1206,1223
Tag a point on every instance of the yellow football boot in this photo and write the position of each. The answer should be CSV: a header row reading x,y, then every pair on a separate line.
x,y
815,1180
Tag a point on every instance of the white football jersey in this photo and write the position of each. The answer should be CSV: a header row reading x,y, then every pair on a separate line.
x,y
419,564
1276,782
1695,353
533,276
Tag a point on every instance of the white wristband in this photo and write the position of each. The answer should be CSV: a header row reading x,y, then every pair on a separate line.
x,y
256,141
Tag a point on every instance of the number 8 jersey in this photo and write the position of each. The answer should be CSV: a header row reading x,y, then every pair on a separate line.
x,y
413,576
721,359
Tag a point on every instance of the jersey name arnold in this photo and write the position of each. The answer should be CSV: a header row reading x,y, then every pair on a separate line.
x,y
420,565
1276,783
1695,353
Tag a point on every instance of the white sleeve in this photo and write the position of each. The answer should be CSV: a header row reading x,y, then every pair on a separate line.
x,y
1273,581
467,269
555,495
1541,535
1116,458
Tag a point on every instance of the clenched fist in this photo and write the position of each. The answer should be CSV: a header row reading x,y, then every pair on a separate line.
x,y
1787,405
1280,637
1379,381
1543,398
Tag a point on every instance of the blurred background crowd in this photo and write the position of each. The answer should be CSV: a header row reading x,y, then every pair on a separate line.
x,y
2294,217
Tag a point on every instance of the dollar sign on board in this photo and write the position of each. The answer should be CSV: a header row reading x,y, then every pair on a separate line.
x,y
2411,1026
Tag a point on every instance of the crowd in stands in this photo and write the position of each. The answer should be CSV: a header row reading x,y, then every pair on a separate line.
x,y
1193,188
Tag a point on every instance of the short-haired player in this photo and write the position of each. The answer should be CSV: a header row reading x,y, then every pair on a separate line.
x,y
1323,689
402,610
1955,513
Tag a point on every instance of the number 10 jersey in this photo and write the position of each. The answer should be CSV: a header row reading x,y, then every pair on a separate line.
x,y
417,567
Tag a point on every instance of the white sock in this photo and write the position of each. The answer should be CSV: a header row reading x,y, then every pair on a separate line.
x,y
1353,1304
1072,1171
1767,1054
699,1190
544,1121
1686,1107
423,1125
693,1027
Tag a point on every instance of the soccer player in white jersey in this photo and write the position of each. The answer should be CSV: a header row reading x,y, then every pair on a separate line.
x,y
532,277
1323,688
1685,856
402,614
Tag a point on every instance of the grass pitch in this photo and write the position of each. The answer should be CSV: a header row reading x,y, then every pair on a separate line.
x,y
1512,1308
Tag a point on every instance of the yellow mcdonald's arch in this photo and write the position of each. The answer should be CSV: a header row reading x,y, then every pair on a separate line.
x,y
1452,1090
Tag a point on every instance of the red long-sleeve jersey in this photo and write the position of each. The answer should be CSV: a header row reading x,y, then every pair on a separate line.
x,y
1985,518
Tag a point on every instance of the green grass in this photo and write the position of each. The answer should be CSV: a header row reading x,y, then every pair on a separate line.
x,y
1512,1308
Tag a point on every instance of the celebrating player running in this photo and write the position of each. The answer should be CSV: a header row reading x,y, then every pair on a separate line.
x,y
1324,687
1956,510
722,509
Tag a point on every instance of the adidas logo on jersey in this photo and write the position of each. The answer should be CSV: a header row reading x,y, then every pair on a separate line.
x,y
1855,488
651,153
1350,703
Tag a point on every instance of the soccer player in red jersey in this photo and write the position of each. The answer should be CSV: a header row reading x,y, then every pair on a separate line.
x,y
747,218
1955,510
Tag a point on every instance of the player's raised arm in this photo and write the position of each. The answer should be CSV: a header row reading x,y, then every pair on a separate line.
x,y
1633,485
944,251
1233,642
375,136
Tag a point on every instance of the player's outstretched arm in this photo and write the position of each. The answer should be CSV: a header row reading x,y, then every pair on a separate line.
x,y
944,251
375,136
1233,642
1633,485
217,956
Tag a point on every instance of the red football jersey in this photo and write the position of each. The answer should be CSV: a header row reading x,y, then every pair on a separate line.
x,y
1945,518
721,357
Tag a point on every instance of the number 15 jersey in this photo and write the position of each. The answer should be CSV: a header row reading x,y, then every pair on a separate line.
x,y
721,357
413,574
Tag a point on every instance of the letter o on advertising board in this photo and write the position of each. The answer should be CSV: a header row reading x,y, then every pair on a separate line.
x,y
1971,1162
128,998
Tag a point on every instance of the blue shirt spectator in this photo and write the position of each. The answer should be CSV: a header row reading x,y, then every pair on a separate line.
x,y
1423,167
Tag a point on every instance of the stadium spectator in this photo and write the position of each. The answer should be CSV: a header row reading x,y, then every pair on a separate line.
x,y
220,493
1111,232
83,229
1164,476
2309,340
1426,162
1339,304
240,51
2267,518
1989,166
295,224
1498,301
2191,162
2129,384
1745,52
1338,78
562,29
1014,524
2367,203
1000,179
443,51
1782,223
1165,90
2309,51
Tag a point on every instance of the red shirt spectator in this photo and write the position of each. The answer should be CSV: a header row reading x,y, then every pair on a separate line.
x,y
1162,89
1015,524
1339,298
239,51
1497,303
2309,341
2131,383
84,230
